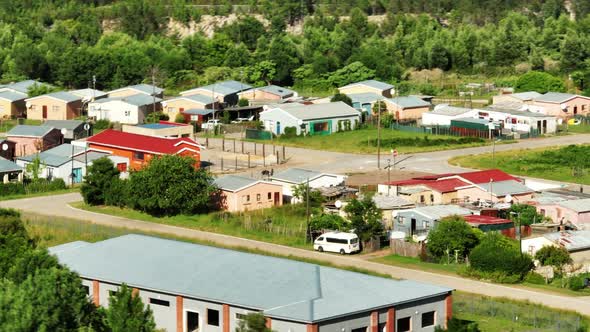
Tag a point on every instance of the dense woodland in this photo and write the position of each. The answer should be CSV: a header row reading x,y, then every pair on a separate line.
x,y
129,41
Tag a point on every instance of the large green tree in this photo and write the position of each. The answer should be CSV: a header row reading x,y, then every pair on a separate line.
x,y
451,234
127,312
540,82
365,218
97,182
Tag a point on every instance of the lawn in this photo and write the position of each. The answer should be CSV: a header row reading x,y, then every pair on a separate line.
x,y
559,164
579,129
6,125
365,141
283,225
47,193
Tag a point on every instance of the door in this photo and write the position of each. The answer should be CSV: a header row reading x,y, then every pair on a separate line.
x,y
413,227
44,112
191,321
277,199
122,167
77,175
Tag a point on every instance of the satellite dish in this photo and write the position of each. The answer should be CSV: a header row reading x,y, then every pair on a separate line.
x,y
4,147
508,198
86,126
64,131
338,204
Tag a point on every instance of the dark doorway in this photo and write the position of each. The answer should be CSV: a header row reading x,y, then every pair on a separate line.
x,y
44,112
192,321
413,227
277,198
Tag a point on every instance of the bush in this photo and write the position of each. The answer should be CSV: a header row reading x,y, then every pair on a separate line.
x,y
290,132
243,102
101,174
451,233
179,118
553,256
496,253
45,186
327,222
575,283
102,124
535,278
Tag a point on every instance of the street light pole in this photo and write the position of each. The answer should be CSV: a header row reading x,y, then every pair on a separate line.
x,y
389,176
379,135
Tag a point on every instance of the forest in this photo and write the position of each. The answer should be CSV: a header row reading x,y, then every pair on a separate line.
x,y
67,42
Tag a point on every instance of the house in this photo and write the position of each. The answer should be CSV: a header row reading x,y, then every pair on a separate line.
x,y
443,114
12,104
491,224
140,149
522,97
239,193
292,177
364,101
562,105
69,162
7,149
22,86
571,213
269,93
577,243
389,206
161,129
75,129
314,119
425,191
384,89
131,109
88,95
59,105
420,220
193,287
144,89
407,108
173,107
224,92
33,139
520,121
10,171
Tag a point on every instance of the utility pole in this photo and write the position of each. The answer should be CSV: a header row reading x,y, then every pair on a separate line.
x,y
389,176
154,71
307,210
379,135
519,230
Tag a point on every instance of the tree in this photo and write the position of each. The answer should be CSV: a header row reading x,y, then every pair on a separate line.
x,y
300,193
98,180
379,106
243,102
452,234
525,214
179,118
127,312
254,322
457,325
341,97
539,81
170,185
553,256
365,218
328,221
262,73
499,254
354,72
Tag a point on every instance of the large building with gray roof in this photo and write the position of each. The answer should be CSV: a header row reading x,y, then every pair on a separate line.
x,y
194,287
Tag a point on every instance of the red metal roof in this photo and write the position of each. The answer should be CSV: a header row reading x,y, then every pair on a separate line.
x,y
487,220
434,176
150,144
445,186
484,176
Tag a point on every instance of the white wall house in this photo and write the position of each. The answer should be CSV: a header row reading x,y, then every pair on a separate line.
x,y
522,121
127,110
443,114
314,119
293,177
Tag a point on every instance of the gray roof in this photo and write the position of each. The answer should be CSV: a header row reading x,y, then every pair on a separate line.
x,y
277,90
9,166
437,212
528,95
296,175
555,97
474,120
409,102
196,111
517,112
87,94
412,190
67,124
29,131
365,97
450,110
60,95
144,88
281,288
91,156
23,86
139,99
373,84
56,156
200,99
224,88
385,202
234,182
318,111
577,205
570,240
12,96
503,188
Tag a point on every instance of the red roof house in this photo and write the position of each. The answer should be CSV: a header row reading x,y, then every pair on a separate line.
x,y
141,148
485,176
489,223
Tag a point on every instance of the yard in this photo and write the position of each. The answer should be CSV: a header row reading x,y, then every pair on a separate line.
x,y
365,141
567,164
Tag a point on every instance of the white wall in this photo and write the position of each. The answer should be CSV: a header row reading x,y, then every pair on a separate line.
x,y
430,119
273,116
117,111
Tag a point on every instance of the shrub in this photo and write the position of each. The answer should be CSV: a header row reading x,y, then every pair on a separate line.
x,y
535,278
44,186
553,256
97,181
327,221
451,233
116,193
290,132
496,253
102,124
243,102
179,118
575,283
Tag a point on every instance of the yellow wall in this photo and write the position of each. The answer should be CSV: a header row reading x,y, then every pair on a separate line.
x,y
64,111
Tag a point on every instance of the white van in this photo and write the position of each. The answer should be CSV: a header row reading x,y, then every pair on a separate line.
x,y
340,242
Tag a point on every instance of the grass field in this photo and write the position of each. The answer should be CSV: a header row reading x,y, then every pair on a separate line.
x,y
492,315
281,225
365,141
531,163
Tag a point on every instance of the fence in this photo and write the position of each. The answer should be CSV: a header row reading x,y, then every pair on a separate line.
x,y
451,131
239,155
407,249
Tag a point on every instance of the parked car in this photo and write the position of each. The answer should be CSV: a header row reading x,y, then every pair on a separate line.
x,y
340,242
240,120
211,124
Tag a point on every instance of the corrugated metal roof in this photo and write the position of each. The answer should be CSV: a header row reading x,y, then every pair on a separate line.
x,y
224,88
194,111
280,288
60,95
12,96
296,175
450,110
23,86
577,205
139,100
503,188
517,112
88,94
56,156
408,102
234,182
437,212
277,90
8,166
570,240
317,111
385,202
485,176
365,97
136,142
555,97
373,84
524,96
29,131
67,124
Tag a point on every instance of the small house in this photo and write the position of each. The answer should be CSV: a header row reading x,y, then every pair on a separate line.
x,y
161,129
419,221
140,149
520,121
491,224
33,139
10,171
178,105
144,89
75,129
442,115
292,177
314,119
224,92
131,109
562,105
239,193
390,206
59,105
269,93
407,108
381,88
522,97
571,213
363,102
12,104
577,243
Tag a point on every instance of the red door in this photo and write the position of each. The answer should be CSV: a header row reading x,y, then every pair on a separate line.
x,y
44,112
277,198
122,167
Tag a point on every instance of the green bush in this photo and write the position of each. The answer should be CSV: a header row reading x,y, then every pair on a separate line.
x,y
553,256
179,118
290,132
535,278
7,189
451,233
496,253
102,124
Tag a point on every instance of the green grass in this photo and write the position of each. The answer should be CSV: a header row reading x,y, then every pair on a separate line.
x,y
283,225
47,193
525,163
579,129
6,125
364,141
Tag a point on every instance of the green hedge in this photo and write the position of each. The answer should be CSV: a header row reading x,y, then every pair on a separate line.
x,y
9,189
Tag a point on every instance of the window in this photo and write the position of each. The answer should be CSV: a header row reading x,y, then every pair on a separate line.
x,y
171,109
401,220
422,200
425,224
431,198
247,198
55,108
138,155
320,238
404,324
240,316
213,317
127,113
428,319
86,289
360,329
354,241
159,302
335,240
112,293
269,195
258,197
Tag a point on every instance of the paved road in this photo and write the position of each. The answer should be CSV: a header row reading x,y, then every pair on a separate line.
x,y
58,206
